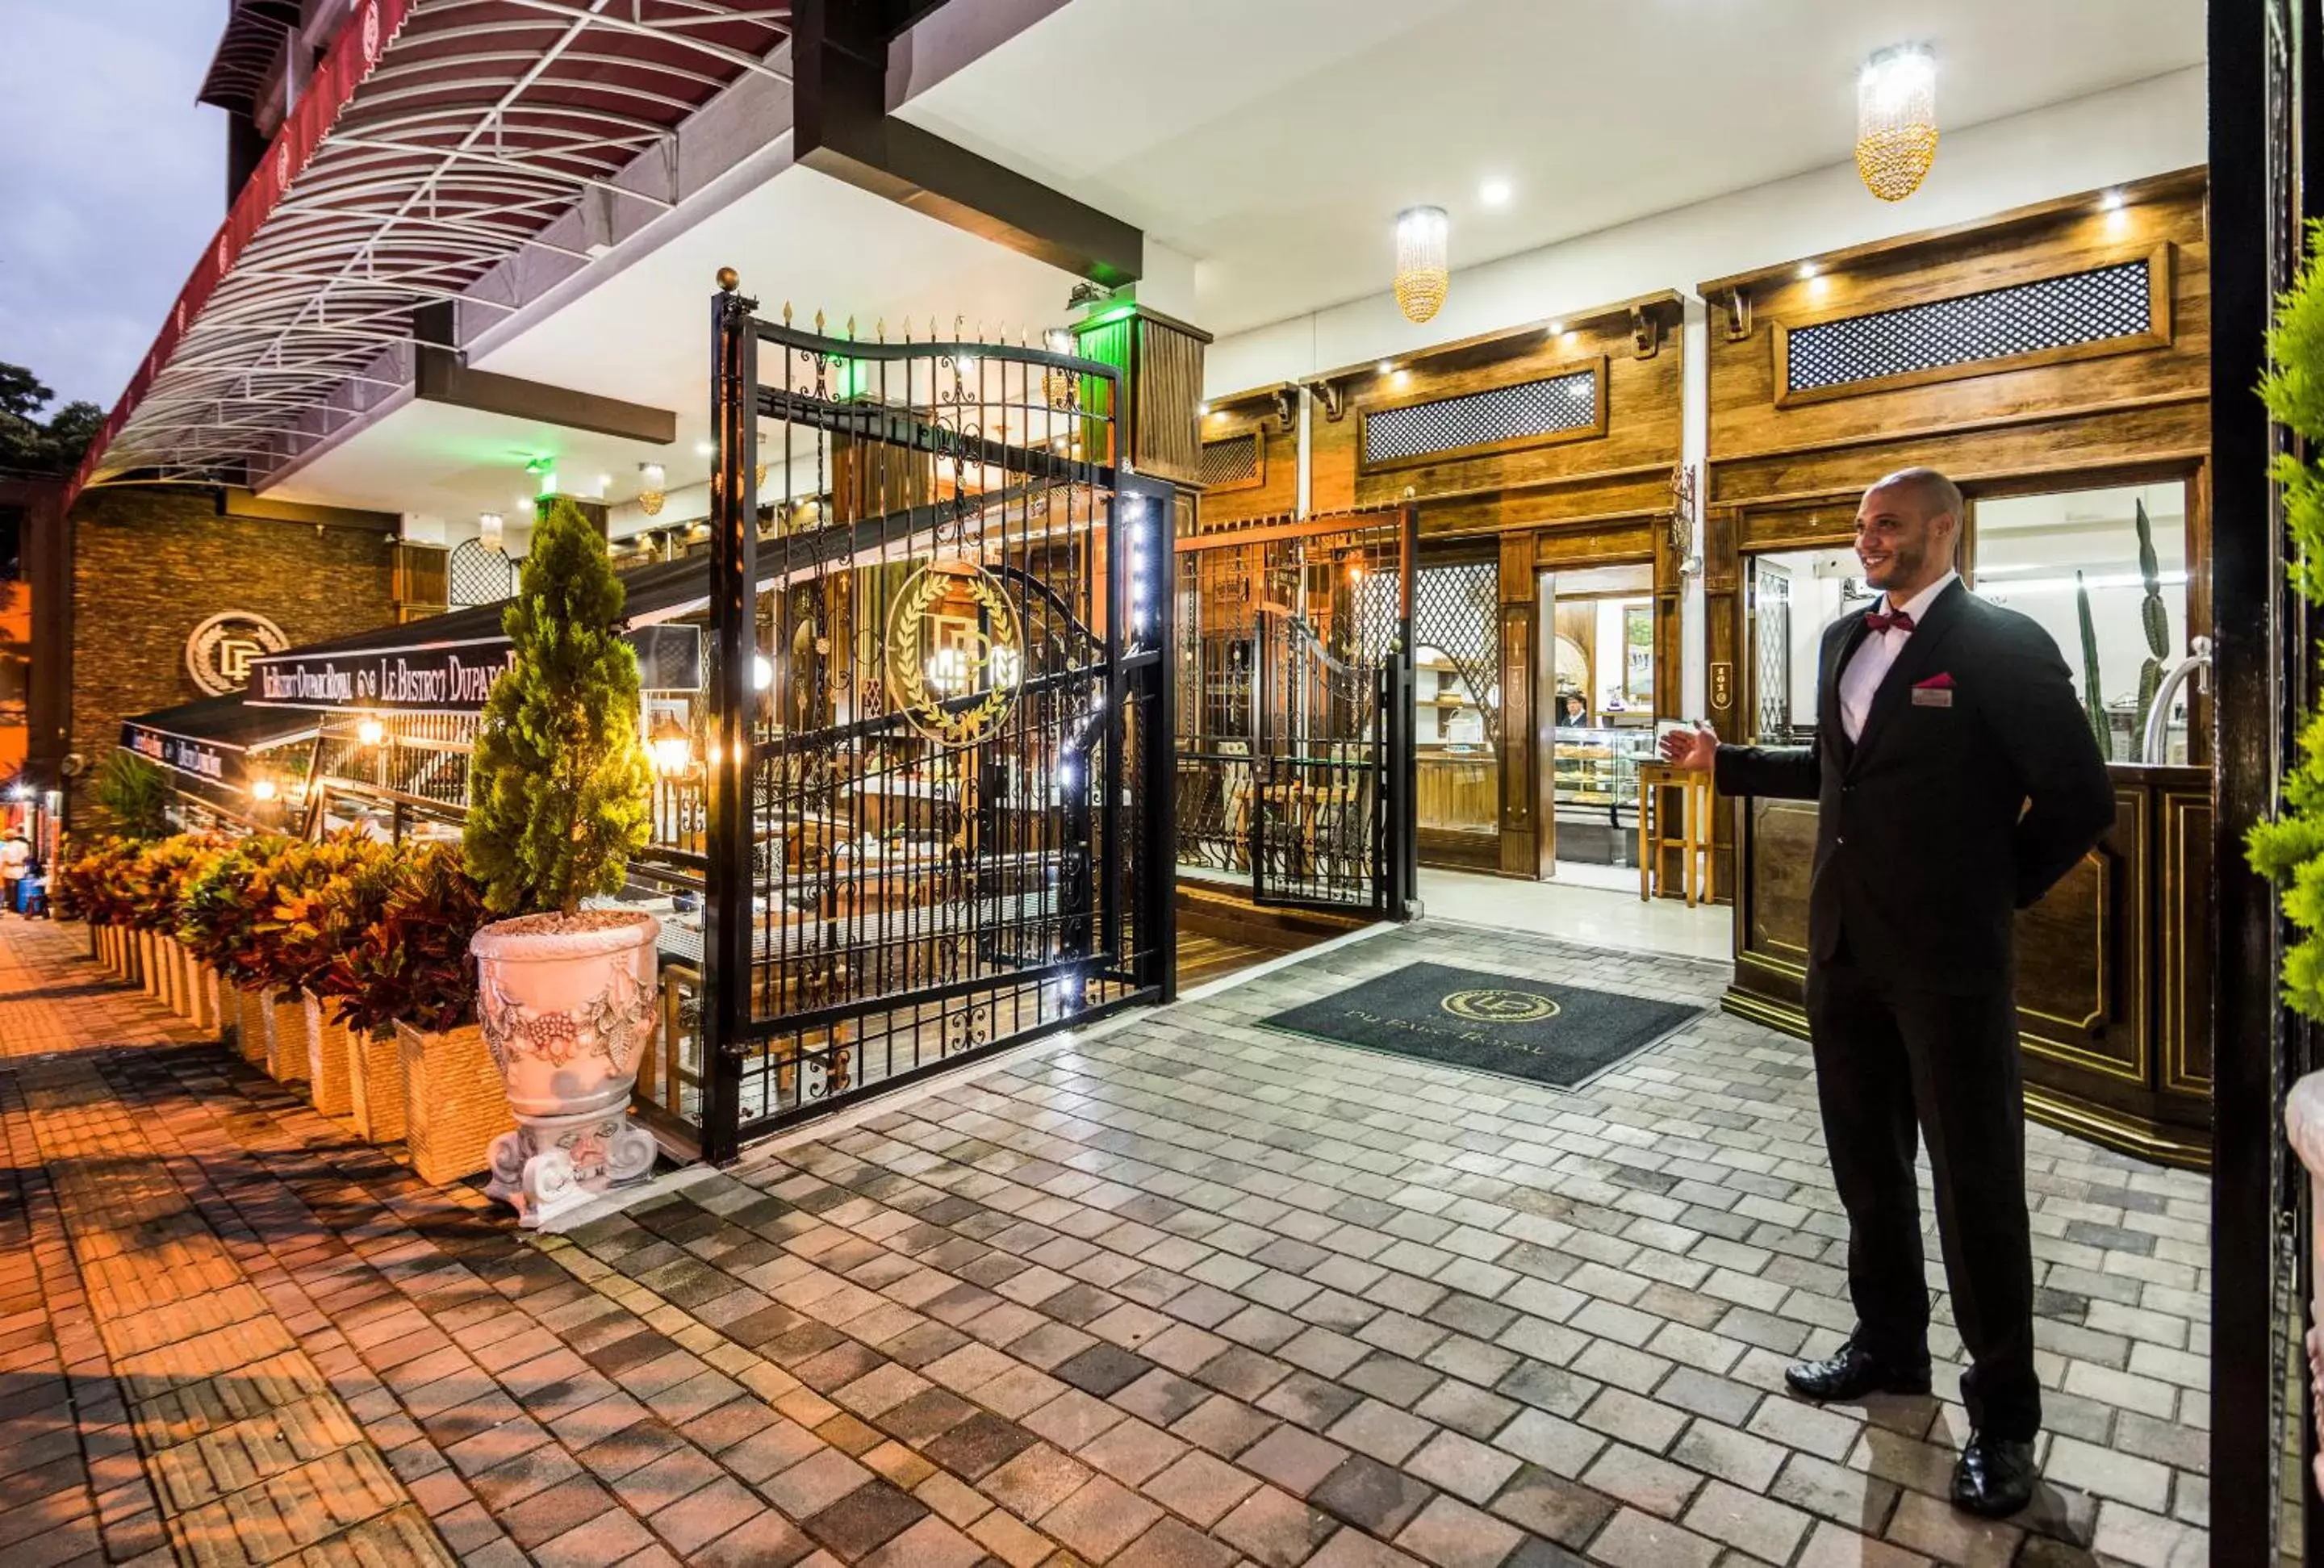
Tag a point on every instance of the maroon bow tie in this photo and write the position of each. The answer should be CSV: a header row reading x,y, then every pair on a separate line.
x,y
1902,621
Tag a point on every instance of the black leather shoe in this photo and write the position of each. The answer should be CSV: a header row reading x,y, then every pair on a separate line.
x,y
1853,1372
1994,1476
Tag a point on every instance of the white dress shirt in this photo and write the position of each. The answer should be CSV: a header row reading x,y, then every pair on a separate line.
x,y
1869,665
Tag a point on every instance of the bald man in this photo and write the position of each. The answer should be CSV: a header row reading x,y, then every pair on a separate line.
x,y
1956,780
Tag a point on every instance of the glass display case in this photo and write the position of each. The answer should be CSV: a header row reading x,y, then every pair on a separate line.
x,y
1598,767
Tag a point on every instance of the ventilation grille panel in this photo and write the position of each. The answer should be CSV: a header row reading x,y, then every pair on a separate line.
x,y
1559,405
1232,461
2080,308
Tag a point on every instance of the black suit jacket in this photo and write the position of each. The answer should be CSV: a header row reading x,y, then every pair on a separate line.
x,y
1940,822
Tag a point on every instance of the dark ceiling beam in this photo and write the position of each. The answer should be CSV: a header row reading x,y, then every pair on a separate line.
x,y
841,127
441,375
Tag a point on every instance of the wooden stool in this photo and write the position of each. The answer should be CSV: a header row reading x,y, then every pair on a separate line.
x,y
1694,840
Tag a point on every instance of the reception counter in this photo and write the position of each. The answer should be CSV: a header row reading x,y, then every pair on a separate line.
x,y
2113,965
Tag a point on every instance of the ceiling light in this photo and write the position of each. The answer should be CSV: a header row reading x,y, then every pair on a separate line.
x,y
1203,408
1494,193
1555,327
705,449
1896,121
1386,365
488,530
2110,202
1423,267
1808,269
651,491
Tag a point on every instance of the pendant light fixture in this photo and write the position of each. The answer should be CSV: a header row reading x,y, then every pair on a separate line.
x,y
488,530
651,493
1421,268
1896,121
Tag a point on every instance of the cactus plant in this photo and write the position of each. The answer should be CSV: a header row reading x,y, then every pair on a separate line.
x,y
2152,618
2093,700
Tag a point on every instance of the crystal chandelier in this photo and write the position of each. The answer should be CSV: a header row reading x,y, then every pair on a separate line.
x,y
1421,270
651,491
1896,121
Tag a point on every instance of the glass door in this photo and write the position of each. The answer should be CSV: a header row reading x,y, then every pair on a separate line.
x,y
1598,660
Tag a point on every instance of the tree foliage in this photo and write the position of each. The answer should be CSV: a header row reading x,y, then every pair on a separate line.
x,y
559,788
54,445
2290,848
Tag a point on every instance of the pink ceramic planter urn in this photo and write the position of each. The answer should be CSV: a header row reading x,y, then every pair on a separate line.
x,y
569,1008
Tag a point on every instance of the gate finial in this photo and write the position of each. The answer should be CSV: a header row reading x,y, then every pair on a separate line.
x,y
787,313
818,323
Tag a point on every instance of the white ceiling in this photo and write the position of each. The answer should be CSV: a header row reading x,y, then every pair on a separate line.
x,y
644,336
1275,141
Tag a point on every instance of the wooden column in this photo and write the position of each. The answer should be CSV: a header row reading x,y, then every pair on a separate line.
x,y
1523,844
1161,362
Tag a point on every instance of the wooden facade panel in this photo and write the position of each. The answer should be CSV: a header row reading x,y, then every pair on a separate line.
x,y
2082,961
2184,958
1748,419
1277,493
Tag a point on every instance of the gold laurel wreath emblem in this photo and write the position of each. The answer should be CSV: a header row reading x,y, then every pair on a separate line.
x,y
1499,1007
907,678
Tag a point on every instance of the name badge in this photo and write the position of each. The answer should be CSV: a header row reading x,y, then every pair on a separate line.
x,y
1932,696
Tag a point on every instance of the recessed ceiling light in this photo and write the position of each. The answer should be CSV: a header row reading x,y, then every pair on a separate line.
x,y
1385,366
705,448
1809,269
2110,202
1494,193
1555,327
1201,407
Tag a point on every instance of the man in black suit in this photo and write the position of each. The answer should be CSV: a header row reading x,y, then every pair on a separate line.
x,y
1956,780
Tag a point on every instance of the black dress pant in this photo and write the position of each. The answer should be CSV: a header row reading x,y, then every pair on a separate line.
x,y
1891,1062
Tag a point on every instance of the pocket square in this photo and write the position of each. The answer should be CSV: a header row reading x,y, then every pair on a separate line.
x,y
1935,683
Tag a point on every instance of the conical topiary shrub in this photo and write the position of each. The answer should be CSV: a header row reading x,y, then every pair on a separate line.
x,y
559,789
559,792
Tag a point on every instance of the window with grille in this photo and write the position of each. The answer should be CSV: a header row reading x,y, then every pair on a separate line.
x,y
1234,463
2101,310
1560,407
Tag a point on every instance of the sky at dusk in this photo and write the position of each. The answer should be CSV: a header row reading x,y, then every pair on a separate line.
x,y
114,179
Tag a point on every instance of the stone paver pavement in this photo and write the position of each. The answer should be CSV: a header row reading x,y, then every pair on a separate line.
x,y
1185,1293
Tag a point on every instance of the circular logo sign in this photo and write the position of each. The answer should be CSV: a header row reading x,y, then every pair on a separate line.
x,y
956,652
220,652
1499,1007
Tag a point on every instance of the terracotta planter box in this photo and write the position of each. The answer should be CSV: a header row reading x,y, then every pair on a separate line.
x,y
200,1008
149,975
327,1056
250,1025
375,1086
100,944
169,959
453,1102
286,1038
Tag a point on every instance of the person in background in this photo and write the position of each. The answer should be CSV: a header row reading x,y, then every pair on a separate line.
x,y
1571,711
14,854
1956,780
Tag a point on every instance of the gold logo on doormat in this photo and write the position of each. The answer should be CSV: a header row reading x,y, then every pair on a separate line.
x,y
1499,1007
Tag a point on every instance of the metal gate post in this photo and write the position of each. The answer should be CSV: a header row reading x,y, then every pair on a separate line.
x,y
727,923
1151,693
1400,772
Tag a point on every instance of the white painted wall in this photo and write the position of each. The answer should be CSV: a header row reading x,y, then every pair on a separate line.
x,y
2146,128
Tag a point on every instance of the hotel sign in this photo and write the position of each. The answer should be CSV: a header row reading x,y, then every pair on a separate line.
x,y
222,649
211,761
445,677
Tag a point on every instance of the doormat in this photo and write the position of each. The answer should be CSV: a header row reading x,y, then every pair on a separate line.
x,y
1559,1035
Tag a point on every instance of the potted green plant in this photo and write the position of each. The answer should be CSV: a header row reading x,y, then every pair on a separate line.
x,y
406,988
218,918
340,885
559,797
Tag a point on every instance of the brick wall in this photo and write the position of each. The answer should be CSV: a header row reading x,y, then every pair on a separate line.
x,y
150,564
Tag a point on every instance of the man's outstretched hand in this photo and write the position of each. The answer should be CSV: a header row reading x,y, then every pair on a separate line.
x,y
1694,750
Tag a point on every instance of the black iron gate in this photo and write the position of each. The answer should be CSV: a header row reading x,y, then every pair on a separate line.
x,y
1295,726
938,609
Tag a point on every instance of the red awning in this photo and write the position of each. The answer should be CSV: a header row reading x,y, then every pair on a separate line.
x,y
436,139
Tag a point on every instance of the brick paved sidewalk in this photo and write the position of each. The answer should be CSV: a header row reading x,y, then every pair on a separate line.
x,y
1189,1293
